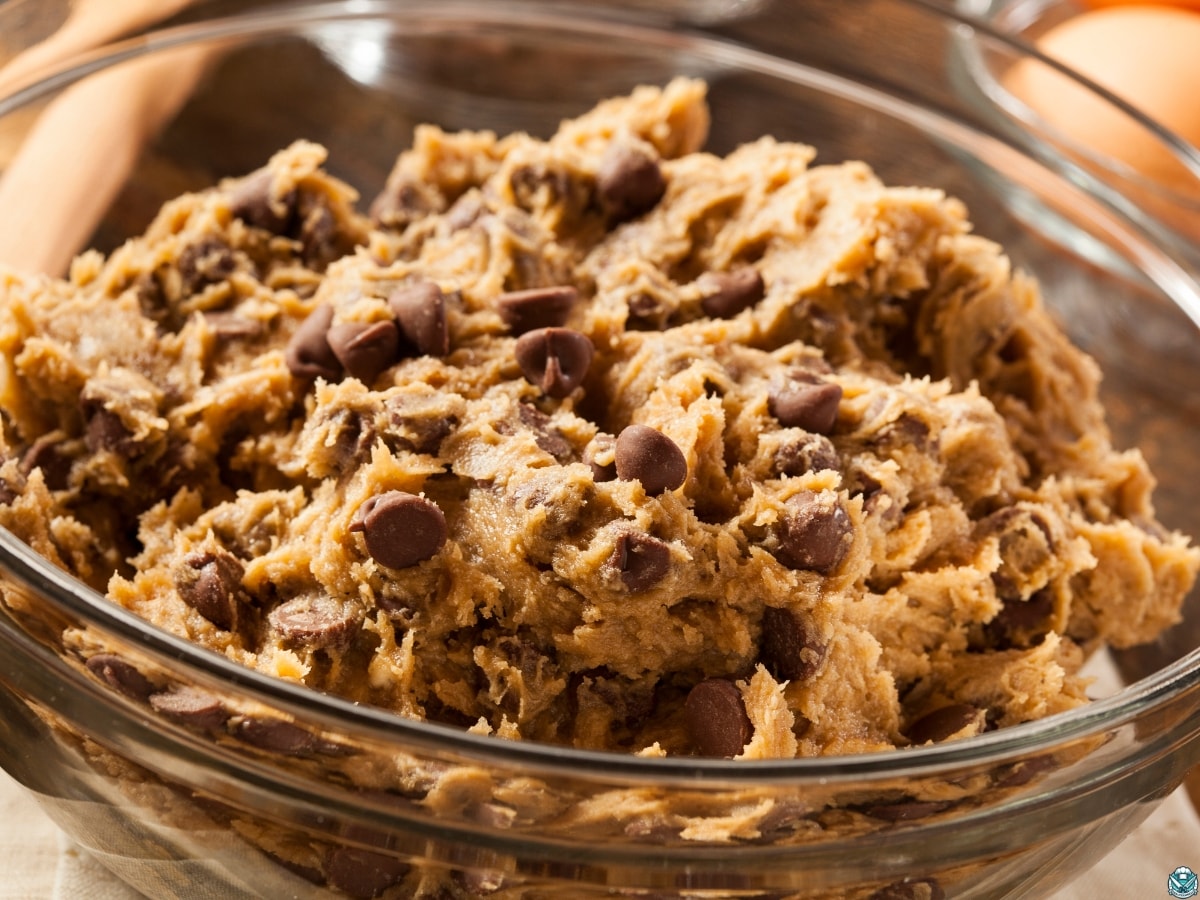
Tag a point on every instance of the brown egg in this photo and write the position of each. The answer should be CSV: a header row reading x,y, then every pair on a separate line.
x,y
1148,56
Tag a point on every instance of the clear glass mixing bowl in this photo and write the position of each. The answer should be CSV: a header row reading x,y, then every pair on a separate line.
x,y
311,796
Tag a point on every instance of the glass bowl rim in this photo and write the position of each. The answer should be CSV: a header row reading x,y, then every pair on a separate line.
x,y
345,717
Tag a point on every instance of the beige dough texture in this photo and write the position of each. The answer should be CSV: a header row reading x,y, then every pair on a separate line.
x,y
602,440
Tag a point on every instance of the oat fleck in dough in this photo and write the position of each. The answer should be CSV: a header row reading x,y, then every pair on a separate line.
x,y
603,440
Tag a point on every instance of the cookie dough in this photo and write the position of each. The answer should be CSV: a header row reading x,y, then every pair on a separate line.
x,y
601,440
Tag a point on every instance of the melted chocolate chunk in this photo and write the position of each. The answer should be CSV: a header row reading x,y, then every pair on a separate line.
x,y
543,307
649,456
790,647
121,675
728,293
815,534
211,583
943,723
554,359
308,354
805,400
420,311
229,326
629,182
362,873
190,706
716,719
641,561
364,349
253,201
400,529
545,435
275,735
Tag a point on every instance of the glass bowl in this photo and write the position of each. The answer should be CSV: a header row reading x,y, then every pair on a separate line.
x,y
282,792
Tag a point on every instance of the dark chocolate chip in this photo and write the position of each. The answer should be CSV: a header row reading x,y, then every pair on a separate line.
x,y
716,719
629,182
804,400
275,735
315,621
554,359
121,675
107,432
790,647
229,326
1020,623
365,349
943,722
308,354
416,425
362,873
190,706
649,456
910,889
253,202
420,311
211,584
603,445
543,307
318,235
641,560
807,453
49,454
647,312
728,293
404,200
400,529
815,533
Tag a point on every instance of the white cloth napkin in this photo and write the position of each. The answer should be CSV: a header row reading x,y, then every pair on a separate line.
x,y
38,862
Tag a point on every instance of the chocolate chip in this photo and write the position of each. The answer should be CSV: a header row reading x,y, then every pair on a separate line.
x,y
804,400
790,647
362,873
649,456
190,706
815,533
641,561
629,182
601,447
420,311
404,200
943,722
8,493
728,293
105,431
315,621
121,675
400,529
807,453
208,261
318,234
308,354
211,583
275,735
543,307
906,810
546,436
365,349
716,719
910,889
48,453
1020,623
554,359
253,201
